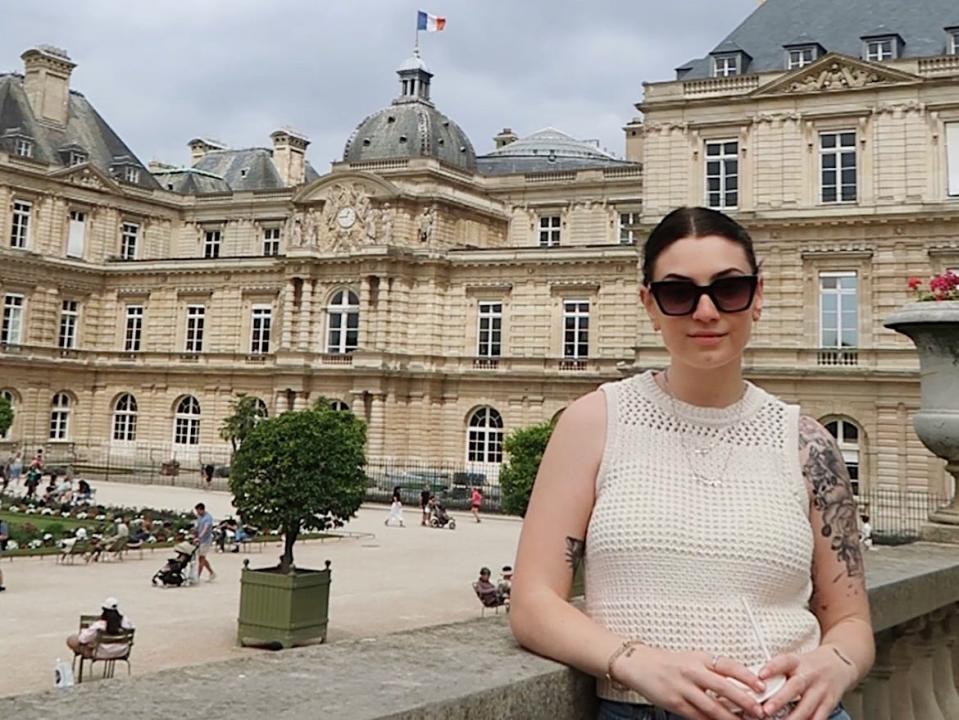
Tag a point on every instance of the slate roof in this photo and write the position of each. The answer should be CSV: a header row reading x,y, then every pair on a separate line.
x,y
222,171
836,25
547,150
85,129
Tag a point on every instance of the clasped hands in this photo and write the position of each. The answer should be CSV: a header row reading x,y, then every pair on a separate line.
x,y
700,686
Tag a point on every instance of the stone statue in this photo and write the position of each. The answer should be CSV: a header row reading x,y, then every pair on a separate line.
x,y
369,225
296,231
386,222
426,225
309,228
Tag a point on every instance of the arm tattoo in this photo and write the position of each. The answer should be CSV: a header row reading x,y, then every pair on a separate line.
x,y
826,473
575,551
843,658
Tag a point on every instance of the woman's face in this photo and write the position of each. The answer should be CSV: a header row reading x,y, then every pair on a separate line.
x,y
707,337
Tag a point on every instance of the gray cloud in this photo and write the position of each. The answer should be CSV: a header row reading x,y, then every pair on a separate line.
x,y
162,73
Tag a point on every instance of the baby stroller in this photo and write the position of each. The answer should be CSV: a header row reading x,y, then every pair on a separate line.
x,y
440,518
179,570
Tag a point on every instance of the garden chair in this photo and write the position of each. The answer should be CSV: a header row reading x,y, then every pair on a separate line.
x,y
77,549
504,603
116,547
124,637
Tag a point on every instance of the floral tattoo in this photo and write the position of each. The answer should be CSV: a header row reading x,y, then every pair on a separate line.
x,y
832,495
575,552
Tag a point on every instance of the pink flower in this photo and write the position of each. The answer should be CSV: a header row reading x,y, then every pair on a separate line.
x,y
914,283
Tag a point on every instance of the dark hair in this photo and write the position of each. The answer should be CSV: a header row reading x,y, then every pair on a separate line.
x,y
114,620
694,222
484,571
199,506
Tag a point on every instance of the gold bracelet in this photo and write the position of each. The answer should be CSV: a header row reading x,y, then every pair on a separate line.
x,y
628,647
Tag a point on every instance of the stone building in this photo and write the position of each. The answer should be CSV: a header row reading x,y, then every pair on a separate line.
x,y
448,298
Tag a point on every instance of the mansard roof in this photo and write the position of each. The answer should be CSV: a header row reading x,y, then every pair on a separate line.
x,y
836,26
224,171
85,129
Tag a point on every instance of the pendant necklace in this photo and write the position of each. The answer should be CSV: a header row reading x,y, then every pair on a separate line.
x,y
702,452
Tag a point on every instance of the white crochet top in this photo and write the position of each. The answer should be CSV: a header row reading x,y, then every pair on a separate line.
x,y
670,557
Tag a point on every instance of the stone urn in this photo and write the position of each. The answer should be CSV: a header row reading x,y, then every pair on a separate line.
x,y
934,328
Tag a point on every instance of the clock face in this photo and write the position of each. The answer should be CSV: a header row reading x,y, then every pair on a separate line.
x,y
346,217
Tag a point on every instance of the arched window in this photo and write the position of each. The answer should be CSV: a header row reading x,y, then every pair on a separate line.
x,y
340,406
485,436
9,397
60,416
125,418
186,428
343,314
262,412
847,434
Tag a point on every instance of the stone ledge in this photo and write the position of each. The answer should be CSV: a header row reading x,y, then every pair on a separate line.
x,y
468,671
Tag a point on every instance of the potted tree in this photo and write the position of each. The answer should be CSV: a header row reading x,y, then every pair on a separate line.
x,y
296,472
932,323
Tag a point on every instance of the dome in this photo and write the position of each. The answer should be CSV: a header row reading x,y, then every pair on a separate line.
x,y
547,150
411,127
551,142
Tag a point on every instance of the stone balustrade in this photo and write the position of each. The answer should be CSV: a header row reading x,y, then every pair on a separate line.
x,y
475,670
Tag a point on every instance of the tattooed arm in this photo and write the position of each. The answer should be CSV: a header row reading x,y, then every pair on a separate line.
x,y
839,585
839,599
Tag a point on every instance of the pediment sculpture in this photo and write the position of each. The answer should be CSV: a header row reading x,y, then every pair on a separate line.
x,y
836,76
346,221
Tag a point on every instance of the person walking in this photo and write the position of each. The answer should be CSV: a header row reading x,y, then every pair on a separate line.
x,y
203,536
713,520
476,501
16,469
396,509
425,496
4,537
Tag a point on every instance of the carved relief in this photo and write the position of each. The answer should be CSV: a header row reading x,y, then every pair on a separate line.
x,y
837,76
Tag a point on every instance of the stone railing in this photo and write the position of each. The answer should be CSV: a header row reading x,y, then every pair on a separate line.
x,y
733,85
942,65
475,670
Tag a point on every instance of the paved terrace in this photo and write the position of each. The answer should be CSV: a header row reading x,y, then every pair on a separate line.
x,y
399,579
474,671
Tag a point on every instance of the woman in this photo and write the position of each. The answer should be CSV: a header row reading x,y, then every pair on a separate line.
x,y
396,508
111,622
476,501
697,501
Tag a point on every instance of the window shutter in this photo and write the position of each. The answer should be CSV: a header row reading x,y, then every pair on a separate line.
x,y
952,150
76,238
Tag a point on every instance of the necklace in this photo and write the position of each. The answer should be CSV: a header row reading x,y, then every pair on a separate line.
x,y
702,452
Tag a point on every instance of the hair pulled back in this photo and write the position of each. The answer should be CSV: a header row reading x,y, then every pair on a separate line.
x,y
694,222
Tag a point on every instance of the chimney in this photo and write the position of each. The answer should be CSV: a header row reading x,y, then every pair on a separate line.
x,y
289,156
46,80
634,140
505,137
201,146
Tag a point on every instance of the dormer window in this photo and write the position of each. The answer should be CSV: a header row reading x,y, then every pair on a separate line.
x,y
76,158
800,57
879,50
23,147
131,174
726,65
952,47
881,45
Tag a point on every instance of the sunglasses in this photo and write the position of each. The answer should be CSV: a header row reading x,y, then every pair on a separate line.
x,y
729,294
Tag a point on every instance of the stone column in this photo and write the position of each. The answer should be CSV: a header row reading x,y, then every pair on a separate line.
x,y
853,702
304,322
377,429
924,701
317,340
900,689
287,336
944,641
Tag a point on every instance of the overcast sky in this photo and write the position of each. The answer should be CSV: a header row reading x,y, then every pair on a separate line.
x,y
162,73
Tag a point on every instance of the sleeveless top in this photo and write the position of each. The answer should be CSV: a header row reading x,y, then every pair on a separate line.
x,y
669,558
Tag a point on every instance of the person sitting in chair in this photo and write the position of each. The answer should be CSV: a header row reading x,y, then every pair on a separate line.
x,y
111,622
486,591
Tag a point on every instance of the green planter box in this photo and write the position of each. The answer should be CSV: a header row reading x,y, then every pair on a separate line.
x,y
283,610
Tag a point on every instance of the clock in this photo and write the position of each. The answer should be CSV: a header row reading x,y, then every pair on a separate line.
x,y
346,217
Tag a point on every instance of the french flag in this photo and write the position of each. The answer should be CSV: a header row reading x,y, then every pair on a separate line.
x,y
429,23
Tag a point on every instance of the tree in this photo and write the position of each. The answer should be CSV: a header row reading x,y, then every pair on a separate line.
x,y
247,412
6,415
300,471
525,447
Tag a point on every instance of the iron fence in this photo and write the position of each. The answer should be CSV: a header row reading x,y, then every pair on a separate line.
x,y
896,515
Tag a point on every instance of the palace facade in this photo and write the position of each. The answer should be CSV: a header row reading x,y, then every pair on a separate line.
x,y
449,298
